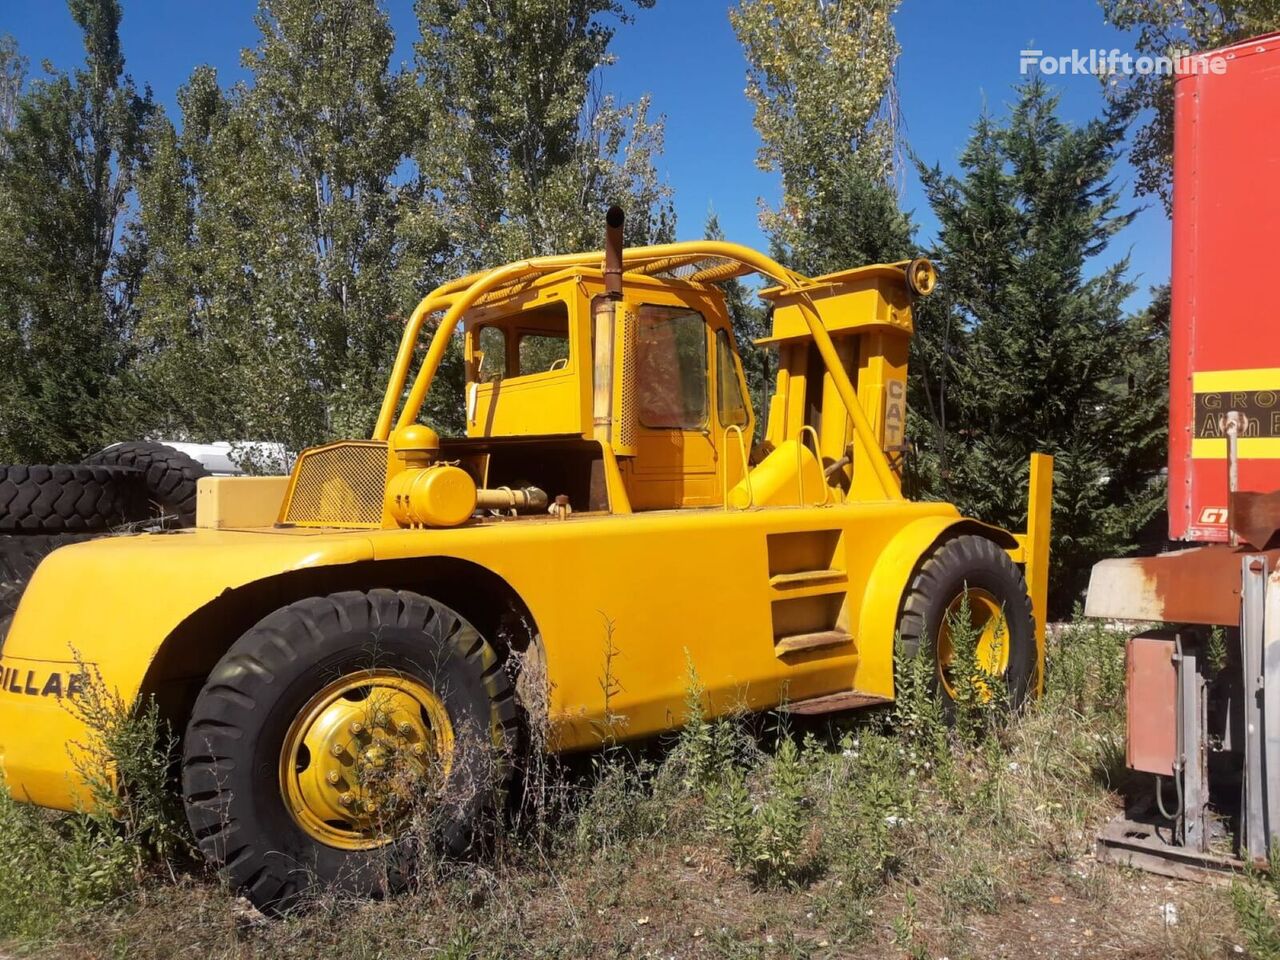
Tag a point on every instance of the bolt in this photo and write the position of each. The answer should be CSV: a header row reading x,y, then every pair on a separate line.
x,y
381,719
333,776
419,749
356,728
336,750
405,728
346,800
370,807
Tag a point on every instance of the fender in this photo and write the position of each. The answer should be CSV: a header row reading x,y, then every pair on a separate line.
x,y
81,612
890,578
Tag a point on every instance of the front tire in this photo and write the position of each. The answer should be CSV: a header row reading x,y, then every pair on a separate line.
x,y
1000,613
326,733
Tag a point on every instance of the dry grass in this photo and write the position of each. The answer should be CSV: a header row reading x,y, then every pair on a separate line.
x,y
868,837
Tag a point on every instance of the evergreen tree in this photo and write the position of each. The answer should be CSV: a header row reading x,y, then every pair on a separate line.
x,y
1027,348
70,156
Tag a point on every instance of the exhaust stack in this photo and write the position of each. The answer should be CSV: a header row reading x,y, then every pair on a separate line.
x,y
613,223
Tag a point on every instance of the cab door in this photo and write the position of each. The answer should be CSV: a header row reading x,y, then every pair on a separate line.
x,y
734,422
675,463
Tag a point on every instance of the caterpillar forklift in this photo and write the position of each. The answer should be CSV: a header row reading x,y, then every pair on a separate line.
x,y
378,631
1203,687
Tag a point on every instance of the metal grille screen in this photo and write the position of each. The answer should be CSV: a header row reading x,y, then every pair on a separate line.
x,y
340,486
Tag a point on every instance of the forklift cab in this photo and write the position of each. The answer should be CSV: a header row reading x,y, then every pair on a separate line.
x,y
654,375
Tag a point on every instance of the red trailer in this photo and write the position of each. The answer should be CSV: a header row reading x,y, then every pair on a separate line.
x,y
1226,241
1204,714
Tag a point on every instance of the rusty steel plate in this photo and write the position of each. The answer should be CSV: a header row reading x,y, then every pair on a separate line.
x,y
1200,585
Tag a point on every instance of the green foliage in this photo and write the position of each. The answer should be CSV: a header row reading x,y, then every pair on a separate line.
x,y
127,768
1026,346
1166,27
980,699
268,235
524,153
72,147
821,78
54,864
1254,899
280,230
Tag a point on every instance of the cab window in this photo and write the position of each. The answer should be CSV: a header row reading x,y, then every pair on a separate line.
x,y
671,374
493,344
731,406
529,342
540,352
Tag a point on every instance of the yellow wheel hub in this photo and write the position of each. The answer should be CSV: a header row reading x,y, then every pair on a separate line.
x,y
987,626
360,753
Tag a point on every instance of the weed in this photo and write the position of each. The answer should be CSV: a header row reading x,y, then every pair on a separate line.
x,y
51,864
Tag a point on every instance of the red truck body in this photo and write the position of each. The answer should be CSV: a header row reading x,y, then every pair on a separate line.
x,y
1226,252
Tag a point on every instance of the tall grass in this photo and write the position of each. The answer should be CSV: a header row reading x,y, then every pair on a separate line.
x,y
893,827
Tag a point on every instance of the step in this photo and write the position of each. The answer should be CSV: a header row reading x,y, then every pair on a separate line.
x,y
834,703
797,642
803,578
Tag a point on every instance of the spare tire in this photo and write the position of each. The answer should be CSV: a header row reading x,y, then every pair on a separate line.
x,y
19,557
66,497
169,477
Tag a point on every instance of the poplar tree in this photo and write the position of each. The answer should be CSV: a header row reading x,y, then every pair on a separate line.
x,y
271,299
820,76
525,153
71,152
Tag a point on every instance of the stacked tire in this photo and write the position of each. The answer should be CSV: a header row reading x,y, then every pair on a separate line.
x,y
125,488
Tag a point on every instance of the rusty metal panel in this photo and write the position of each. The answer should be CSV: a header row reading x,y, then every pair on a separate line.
x,y
1255,517
1200,585
1151,718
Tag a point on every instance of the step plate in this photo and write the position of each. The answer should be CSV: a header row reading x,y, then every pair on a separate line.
x,y
834,703
811,641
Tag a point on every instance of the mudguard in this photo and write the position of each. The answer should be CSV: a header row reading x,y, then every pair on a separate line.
x,y
81,614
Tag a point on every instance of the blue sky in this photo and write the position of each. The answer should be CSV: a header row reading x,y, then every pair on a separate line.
x,y
959,57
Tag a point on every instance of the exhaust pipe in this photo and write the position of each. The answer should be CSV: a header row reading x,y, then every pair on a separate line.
x,y
613,222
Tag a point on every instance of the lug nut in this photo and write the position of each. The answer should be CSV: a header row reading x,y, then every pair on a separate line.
x,y
333,777
381,719
356,728
346,799
419,749
370,807
336,749
405,728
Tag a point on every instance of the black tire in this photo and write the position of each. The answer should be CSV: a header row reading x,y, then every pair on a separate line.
x,y
169,478
234,741
19,557
977,564
69,497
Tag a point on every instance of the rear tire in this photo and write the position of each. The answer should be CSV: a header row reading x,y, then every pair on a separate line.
x,y
985,570
68,497
269,821
168,476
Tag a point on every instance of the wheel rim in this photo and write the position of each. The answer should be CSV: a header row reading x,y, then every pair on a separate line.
x,y
991,652
359,755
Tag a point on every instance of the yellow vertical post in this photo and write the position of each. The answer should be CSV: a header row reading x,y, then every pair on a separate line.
x,y
1036,546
